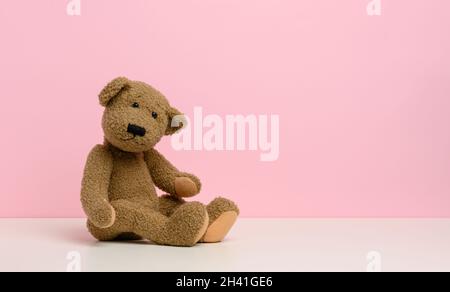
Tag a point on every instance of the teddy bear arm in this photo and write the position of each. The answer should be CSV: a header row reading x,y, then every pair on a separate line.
x,y
168,178
95,185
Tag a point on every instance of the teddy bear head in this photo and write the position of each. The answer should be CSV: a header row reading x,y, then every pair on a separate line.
x,y
136,115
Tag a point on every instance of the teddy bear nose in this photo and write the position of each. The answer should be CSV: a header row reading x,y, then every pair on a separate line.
x,y
136,130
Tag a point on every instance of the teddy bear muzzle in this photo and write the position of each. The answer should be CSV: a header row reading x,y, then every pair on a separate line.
x,y
136,130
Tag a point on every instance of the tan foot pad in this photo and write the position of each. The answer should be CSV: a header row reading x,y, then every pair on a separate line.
x,y
220,228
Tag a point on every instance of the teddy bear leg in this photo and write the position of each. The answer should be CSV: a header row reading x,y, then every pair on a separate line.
x,y
168,204
188,224
223,214
185,227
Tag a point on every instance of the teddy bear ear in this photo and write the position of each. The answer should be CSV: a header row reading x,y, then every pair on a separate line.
x,y
176,121
113,89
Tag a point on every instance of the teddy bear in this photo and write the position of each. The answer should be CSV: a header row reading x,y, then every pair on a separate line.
x,y
118,191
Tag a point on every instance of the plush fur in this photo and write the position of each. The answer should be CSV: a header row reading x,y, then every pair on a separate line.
x,y
118,191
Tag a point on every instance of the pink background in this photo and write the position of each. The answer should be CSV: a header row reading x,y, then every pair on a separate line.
x,y
364,102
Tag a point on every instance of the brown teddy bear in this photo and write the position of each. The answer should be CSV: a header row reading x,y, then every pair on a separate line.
x,y
118,189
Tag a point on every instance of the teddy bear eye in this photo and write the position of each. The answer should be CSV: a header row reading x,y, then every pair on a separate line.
x,y
154,115
135,105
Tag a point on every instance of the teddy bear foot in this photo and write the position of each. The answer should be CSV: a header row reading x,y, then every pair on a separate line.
x,y
222,216
220,227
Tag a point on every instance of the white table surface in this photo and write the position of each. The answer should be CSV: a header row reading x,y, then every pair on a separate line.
x,y
253,245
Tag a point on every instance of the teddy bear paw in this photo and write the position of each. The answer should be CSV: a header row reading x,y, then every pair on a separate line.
x,y
185,187
104,217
